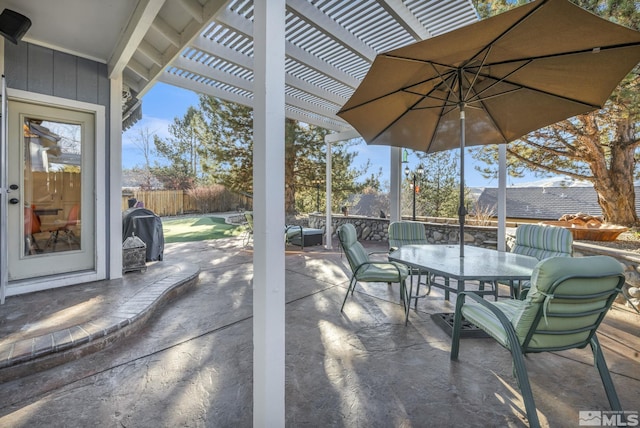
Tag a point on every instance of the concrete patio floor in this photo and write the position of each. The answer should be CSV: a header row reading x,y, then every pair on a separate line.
x,y
188,362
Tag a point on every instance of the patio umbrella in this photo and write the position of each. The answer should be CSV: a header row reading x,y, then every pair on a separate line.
x,y
493,81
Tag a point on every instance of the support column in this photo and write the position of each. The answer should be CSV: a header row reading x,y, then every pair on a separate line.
x,y
502,197
268,207
114,246
395,183
328,223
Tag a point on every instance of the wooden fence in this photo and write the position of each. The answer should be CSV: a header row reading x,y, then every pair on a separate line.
x,y
178,202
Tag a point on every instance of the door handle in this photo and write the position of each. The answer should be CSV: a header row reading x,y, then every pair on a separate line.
x,y
14,201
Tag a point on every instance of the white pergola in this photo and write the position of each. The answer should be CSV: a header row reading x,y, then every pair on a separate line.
x,y
329,46
300,59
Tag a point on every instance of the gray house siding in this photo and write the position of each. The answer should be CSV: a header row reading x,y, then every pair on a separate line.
x,y
45,71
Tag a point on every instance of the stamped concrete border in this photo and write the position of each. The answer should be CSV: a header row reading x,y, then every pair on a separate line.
x,y
27,356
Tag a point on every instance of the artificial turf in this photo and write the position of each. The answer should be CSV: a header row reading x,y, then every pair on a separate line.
x,y
190,229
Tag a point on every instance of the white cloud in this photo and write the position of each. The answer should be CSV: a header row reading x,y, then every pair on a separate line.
x,y
157,125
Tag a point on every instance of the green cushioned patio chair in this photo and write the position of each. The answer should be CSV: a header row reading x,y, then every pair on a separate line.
x,y
567,301
365,270
540,242
406,233
248,235
403,233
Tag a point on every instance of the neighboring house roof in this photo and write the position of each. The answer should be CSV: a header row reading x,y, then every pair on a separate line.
x,y
369,204
546,203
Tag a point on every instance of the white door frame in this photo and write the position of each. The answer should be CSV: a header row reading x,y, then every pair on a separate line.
x,y
61,280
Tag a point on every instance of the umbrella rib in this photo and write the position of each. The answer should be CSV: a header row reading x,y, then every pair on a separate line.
x,y
446,82
447,106
478,95
505,32
477,74
423,96
594,51
402,89
479,98
395,120
420,61
519,86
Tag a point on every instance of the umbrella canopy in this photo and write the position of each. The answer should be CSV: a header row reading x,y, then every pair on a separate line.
x,y
493,81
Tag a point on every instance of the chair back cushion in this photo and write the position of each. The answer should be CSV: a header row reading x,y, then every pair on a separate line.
x,y
406,233
353,249
31,222
542,242
567,301
248,215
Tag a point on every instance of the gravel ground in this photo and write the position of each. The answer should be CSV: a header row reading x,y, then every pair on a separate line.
x,y
627,241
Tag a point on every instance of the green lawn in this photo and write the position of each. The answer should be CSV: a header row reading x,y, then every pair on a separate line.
x,y
189,229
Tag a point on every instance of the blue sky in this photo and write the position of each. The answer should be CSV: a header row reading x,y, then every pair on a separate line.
x,y
164,102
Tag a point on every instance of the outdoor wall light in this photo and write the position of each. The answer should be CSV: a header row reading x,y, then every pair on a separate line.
x,y
13,25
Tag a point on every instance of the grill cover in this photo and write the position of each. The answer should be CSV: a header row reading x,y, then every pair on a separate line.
x,y
146,225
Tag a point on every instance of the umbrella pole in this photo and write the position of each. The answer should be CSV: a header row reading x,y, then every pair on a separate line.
x,y
461,209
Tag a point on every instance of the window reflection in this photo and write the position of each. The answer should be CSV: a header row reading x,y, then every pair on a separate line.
x,y
52,186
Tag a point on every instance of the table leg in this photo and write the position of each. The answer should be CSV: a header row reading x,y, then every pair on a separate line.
x,y
411,288
418,273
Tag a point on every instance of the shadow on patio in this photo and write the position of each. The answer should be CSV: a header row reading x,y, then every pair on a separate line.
x,y
189,363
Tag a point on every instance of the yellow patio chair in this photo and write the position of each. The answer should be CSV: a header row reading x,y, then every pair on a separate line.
x,y
365,270
568,300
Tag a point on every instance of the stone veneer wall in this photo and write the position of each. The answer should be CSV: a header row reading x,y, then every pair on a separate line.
x,y
631,262
376,229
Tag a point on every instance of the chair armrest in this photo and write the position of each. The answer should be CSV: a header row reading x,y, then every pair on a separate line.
x,y
512,338
378,263
378,252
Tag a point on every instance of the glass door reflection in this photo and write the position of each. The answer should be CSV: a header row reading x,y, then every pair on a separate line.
x,y
52,186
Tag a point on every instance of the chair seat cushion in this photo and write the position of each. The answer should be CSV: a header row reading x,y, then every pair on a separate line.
x,y
483,318
382,272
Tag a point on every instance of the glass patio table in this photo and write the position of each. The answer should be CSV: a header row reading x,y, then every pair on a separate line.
x,y
479,264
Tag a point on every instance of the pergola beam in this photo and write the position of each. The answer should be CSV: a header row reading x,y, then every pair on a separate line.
x,y
139,23
405,18
180,40
230,55
331,28
199,87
